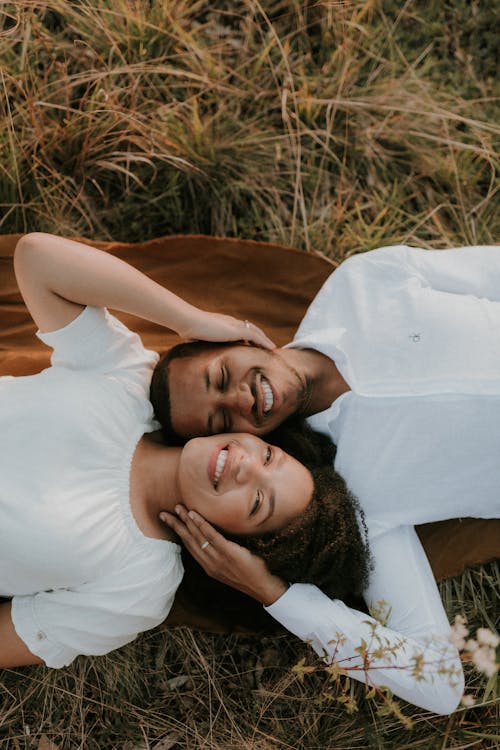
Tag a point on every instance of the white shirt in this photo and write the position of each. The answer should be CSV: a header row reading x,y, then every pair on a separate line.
x,y
416,335
83,577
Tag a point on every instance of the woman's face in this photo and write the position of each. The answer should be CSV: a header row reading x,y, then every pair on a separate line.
x,y
242,484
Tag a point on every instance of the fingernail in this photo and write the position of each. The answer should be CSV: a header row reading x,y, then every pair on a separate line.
x,y
192,515
163,516
177,509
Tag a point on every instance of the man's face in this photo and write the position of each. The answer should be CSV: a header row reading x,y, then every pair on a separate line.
x,y
232,389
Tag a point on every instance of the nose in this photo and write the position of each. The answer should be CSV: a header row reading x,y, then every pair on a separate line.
x,y
246,469
240,400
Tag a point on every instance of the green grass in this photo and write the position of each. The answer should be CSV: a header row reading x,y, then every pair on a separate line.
x,y
333,126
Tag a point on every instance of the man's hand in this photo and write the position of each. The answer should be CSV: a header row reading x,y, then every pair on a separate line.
x,y
208,326
223,560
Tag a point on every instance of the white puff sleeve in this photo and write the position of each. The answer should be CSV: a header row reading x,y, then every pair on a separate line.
x,y
97,617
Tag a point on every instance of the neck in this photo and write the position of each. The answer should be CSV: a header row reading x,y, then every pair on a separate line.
x,y
324,382
153,483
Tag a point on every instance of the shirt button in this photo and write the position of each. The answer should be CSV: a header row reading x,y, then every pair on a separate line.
x,y
40,635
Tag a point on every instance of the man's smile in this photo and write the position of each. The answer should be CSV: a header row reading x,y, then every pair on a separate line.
x,y
263,397
268,395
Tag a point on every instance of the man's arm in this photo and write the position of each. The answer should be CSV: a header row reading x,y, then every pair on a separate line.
x,y
473,270
58,277
13,651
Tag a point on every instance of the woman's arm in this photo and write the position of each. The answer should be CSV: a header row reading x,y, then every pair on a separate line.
x,y
13,651
58,277
416,628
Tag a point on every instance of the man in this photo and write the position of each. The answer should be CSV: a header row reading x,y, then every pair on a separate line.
x,y
398,359
364,331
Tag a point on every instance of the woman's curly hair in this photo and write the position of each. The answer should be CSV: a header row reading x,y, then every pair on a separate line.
x,y
324,546
327,545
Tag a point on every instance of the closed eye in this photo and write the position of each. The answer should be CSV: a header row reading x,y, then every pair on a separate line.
x,y
224,379
226,421
257,504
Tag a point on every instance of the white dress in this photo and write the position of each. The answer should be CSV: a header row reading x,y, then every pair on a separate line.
x,y
83,577
416,335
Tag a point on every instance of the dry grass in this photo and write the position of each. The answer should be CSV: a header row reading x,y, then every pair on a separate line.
x,y
329,125
186,690
337,126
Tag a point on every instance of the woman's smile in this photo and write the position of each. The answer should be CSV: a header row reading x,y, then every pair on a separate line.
x,y
216,466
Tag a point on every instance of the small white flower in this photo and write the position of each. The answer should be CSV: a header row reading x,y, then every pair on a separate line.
x,y
483,659
459,632
471,645
486,638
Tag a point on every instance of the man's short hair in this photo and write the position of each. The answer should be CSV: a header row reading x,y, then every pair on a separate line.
x,y
159,391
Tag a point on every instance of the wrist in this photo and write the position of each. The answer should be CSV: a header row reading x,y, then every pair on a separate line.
x,y
273,591
191,322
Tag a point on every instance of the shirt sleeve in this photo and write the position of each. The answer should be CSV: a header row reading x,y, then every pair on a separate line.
x,y
97,341
473,270
97,617
411,653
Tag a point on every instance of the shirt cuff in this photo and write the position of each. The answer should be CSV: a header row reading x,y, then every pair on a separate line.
x,y
87,320
29,630
300,607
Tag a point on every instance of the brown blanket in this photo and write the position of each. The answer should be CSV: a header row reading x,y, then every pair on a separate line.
x,y
270,285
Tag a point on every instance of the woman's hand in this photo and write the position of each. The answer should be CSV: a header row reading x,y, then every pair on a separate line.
x,y
58,277
223,560
208,326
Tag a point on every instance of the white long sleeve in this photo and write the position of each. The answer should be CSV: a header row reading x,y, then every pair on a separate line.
x,y
416,626
473,270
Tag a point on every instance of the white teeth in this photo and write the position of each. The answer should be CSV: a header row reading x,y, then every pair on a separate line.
x,y
219,466
268,395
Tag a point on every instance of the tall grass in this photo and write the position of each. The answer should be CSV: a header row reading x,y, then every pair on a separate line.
x,y
337,126
327,125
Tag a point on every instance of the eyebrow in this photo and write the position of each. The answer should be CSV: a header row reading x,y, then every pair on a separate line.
x,y
272,501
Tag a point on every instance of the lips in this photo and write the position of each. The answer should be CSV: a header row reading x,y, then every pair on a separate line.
x,y
217,465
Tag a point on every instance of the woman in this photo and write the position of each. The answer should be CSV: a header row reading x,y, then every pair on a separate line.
x,y
405,646
83,556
